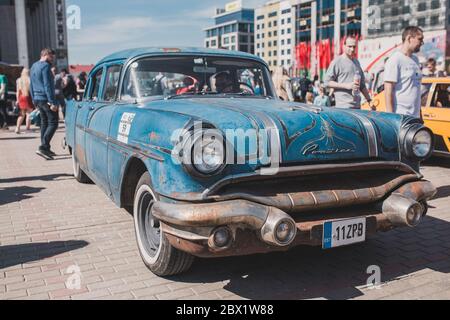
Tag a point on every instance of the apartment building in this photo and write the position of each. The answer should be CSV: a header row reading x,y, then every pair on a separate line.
x,y
275,33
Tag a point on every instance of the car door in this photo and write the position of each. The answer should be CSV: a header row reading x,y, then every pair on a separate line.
x,y
436,114
98,124
84,108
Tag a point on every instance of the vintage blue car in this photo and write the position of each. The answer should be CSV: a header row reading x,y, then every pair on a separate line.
x,y
197,145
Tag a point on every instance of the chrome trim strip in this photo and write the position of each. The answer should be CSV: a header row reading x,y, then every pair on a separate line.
x,y
133,148
270,124
372,135
314,197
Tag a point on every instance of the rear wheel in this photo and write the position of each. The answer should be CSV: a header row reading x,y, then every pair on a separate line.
x,y
79,174
156,251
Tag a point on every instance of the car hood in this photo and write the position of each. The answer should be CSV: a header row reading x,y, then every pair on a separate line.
x,y
305,133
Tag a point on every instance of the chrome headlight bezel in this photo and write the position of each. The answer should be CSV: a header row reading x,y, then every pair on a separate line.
x,y
409,142
191,157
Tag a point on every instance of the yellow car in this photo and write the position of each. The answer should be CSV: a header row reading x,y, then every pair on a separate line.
x,y
435,110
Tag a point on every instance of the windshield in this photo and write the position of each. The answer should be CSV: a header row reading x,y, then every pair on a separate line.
x,y
181,76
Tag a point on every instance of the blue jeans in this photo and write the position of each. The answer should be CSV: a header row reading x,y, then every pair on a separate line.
x,y
49,124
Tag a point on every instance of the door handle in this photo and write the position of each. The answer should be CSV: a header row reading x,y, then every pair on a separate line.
x,y
79,106
91,108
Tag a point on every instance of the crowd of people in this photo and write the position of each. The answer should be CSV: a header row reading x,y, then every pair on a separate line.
x,y
67,87
46,89
345,82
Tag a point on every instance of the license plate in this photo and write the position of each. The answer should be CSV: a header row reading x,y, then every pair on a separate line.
x,y
343,232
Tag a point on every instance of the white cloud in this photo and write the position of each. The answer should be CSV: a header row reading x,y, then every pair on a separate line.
x,y
114,31
176,27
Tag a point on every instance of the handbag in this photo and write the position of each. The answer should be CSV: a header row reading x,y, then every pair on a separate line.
x,y
35,117
16,110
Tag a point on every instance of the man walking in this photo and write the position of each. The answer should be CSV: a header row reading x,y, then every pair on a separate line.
x,y
43,93
346,77
3,99
403,76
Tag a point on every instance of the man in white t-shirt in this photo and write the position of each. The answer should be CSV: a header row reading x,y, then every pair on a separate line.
x,y
403,76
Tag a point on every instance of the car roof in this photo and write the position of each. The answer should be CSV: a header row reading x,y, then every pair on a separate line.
x,y
133,53
436,80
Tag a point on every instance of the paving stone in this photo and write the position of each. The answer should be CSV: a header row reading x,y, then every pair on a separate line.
x,y
49,224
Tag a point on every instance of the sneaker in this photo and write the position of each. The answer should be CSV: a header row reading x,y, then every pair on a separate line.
x,y
44,154
50,152
17,131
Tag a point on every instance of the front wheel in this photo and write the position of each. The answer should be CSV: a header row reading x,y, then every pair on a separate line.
x,y
156,251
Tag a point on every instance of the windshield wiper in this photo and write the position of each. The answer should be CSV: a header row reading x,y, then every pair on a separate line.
x,y
250,95
191,94
213,93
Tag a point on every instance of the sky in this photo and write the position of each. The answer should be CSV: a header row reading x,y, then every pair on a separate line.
x,y
112,25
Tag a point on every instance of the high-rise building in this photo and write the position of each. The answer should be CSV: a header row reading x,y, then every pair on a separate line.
x,y
28,26
233,29
385,21
321,26
275,33
390,17
326,20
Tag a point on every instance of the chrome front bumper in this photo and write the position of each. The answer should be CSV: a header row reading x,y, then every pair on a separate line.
x,y
253,226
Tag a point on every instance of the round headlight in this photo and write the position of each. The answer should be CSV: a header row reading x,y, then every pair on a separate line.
x,y
205,154
418,142
208,154
422,144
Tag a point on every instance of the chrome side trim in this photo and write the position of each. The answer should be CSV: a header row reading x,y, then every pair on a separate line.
x,y
134,149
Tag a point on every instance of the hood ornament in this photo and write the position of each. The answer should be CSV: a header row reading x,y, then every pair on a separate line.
x,y
316,110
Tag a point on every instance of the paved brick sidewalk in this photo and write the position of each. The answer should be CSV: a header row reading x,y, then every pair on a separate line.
x,y
49,223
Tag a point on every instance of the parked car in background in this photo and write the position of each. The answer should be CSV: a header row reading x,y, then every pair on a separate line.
x,y
12,72
225,168
435,110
